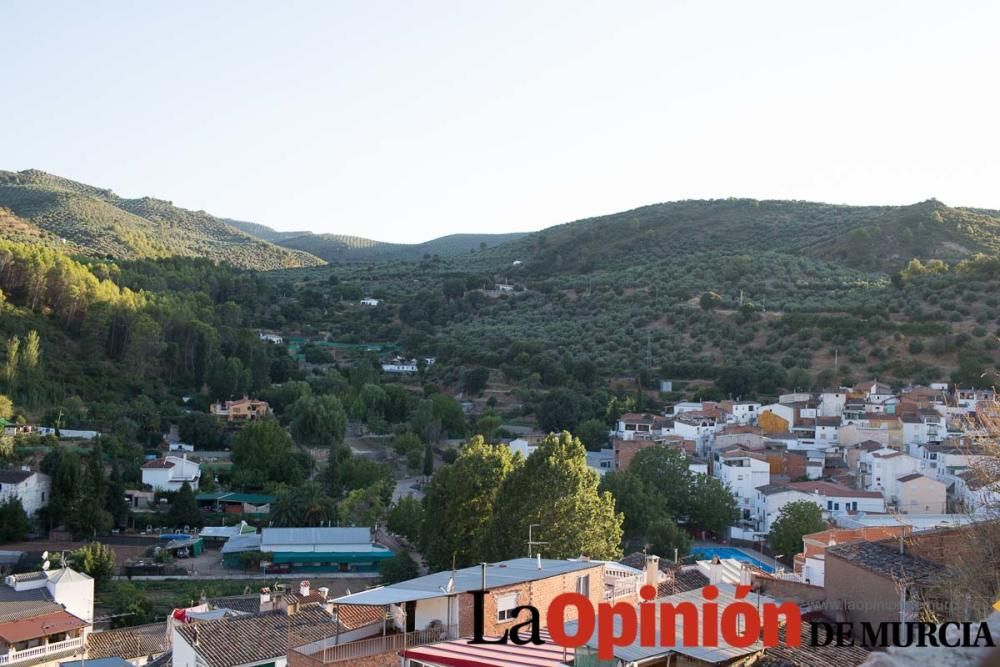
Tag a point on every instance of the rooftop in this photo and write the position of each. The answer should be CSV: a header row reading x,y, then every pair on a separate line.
x,y
40,626
884,558
14,476
231,642
273,537
505,573
459,653
16,605
133,642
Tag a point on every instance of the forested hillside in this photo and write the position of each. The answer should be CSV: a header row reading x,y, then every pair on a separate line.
x,y
99,223
339,248
726,298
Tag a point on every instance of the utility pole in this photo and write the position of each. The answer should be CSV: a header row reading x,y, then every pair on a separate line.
x,y
531,542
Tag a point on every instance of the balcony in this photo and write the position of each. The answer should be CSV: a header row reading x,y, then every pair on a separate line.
x,y
42,653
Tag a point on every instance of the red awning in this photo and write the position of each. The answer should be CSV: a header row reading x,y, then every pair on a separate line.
x,y
40,626
460,653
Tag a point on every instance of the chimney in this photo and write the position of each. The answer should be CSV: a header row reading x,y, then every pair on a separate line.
x,y
539,561
715,571
265,599
652,570
324,591
304,588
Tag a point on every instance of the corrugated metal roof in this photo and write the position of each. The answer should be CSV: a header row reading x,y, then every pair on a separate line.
x,y
273,537
505,573
238,543
721,653
460,653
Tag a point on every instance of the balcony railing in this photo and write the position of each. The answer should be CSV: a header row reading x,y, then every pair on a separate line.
x,y
376,645
38,652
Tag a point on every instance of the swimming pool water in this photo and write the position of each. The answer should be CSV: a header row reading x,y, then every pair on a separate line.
x,y
706,553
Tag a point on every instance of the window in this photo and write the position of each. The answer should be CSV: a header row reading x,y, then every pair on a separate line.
x,y
583,585
505,607
829,504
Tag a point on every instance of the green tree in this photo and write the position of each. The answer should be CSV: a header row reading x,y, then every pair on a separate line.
x,y
795,519
398,568
115,502
428,463
639,503
6,407
11,362
449,413
663,536
488,426
559,410
459,502
709,301
474,380
184,508
711,505
593,433
305,505
362,507
14,522
406,442
575,517
667,473
263,452
63,467
349,473
89,517
318,420
406,517
95,560
129,605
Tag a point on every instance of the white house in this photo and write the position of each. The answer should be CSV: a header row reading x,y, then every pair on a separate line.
x,y
923,427
831,403
269,337
831,498
170,473
875,391
826,430
601,462
31,488
369,301
741,412
743,472
635,426
879,470
918,494
73,590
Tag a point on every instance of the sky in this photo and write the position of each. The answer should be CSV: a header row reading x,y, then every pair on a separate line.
x,y
403,121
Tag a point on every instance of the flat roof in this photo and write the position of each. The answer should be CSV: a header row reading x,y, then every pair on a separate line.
x,y
504,573
306,536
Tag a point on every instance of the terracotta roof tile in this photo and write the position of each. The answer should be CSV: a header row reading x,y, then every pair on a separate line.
x,y
134,642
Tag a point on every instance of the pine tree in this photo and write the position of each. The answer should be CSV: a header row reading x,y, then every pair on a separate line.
x,y
9,373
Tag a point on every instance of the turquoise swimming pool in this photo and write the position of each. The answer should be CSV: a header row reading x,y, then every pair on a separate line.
x,y
706,553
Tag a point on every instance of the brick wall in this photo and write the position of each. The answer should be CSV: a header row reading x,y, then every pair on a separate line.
x,y
539,594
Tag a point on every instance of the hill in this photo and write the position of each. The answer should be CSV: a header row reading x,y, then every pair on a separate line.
x,y
880,238
340,248
751,296
95,221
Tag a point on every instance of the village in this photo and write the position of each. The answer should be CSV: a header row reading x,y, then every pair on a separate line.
x,y
900,478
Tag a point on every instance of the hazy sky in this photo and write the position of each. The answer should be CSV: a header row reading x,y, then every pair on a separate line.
x,y
403,121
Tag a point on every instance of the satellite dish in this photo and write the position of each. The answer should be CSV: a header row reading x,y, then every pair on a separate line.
x,y
45,555
46,565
